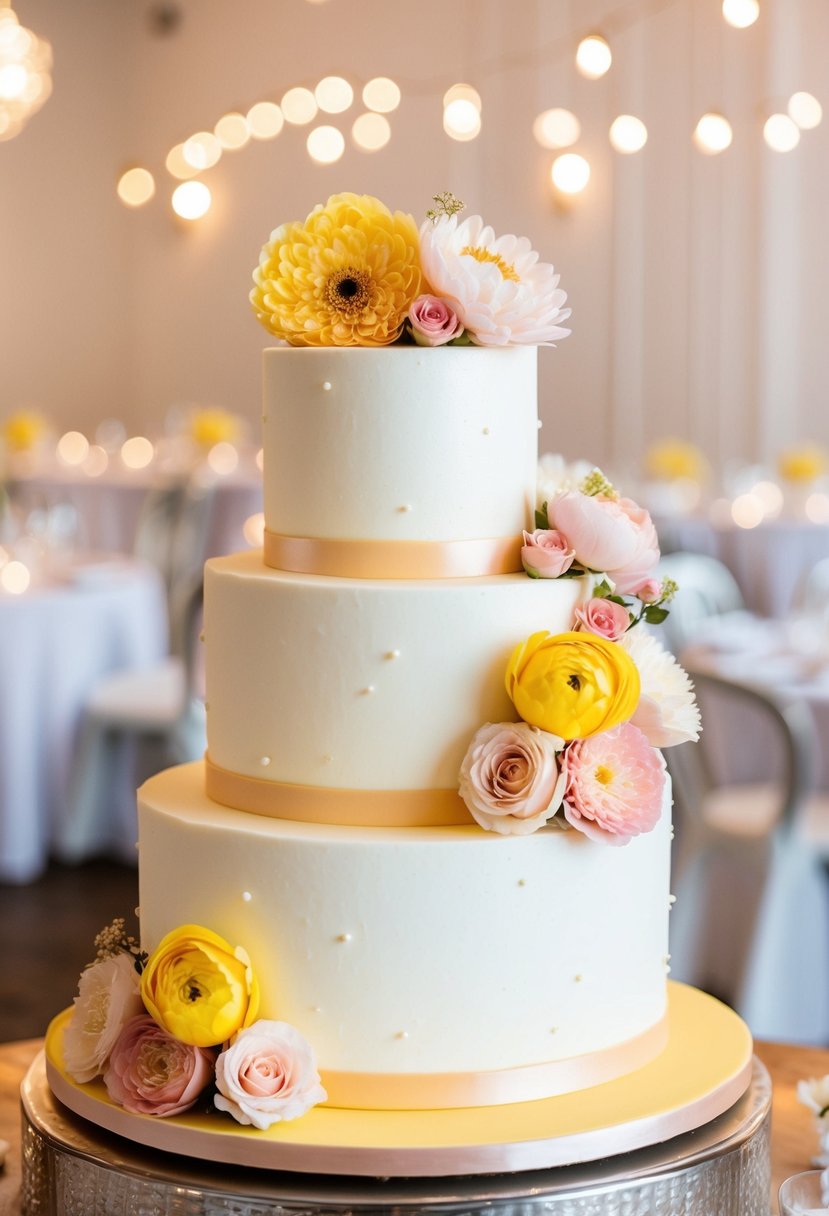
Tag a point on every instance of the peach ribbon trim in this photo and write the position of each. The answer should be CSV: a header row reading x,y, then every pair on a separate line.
x,y
446,1091
386,559
348,808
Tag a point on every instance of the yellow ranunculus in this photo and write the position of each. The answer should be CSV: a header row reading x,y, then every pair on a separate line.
x,y
23,430
214,426
572,684
198,987
346,277
802,464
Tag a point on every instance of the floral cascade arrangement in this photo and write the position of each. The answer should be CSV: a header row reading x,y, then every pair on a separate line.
x,y
596,702
162,1028
356,274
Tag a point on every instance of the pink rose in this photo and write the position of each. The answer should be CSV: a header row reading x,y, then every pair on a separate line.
x,y
649,591
604,618
151,1073
510,778
615,785
546,553
267,1075
614,536
433,322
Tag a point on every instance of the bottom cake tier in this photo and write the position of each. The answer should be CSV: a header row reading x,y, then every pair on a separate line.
x,y
428,967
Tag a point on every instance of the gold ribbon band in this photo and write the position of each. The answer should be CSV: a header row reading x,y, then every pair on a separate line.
x,y
386,559
348,808
445,1091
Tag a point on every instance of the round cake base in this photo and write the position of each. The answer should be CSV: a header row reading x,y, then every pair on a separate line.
x,y
703,1071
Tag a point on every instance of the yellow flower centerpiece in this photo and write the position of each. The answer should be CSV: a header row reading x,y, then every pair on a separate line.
x,y
198,987
344,277
212,426
802,464
573,685
675,460
23,431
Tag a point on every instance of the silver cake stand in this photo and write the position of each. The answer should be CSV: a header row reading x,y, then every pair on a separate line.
x,y
73,1168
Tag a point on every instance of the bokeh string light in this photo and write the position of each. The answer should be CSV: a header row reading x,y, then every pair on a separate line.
x,y
25,73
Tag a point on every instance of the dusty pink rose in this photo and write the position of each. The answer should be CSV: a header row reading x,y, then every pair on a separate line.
x,y
604,618
510,778
614,536
267,1075
433,322
151,1073
546,553
615,785
649,591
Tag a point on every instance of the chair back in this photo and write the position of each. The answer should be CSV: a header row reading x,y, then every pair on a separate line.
x,y
706,588
156,527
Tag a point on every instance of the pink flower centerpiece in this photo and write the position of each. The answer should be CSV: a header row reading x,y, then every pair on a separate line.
x,y
510,777
615,785
152,1073
267,1075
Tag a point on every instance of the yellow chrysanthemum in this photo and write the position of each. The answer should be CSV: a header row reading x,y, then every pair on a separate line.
x,y
346,277
23,430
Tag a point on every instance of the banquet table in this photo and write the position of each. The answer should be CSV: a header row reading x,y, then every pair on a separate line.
x,y
56,641
792,1143
770,562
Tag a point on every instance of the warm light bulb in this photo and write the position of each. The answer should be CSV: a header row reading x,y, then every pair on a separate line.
x,y
381,95
333,94
740,13
747,511
713,134
73,447
371,132
570,173
137,452
265,120
817,508
770,497
253,530
202,150
325,145
781,133
223,458
593,56
96,462
191,200
177,166
805,110
462,92
461,119
299,106
14,578
232,131
556,129
136,187
628,134
13,80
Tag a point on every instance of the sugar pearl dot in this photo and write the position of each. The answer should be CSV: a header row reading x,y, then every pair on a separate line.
x,y
554,1030
137,912
265,761
576,979
406,506
540,424
327,759
402,1034
246,897
368,690
522,882
343,937
316,1008
326,384
392,654
485,430
671,900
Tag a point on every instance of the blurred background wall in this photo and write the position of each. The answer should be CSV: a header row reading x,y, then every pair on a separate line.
x,y
697,282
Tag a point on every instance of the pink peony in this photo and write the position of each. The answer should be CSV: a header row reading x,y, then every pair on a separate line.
x,y
433,322
267,1075
649,591
151,1073
615,785
612,535
510,778
108,997
604,618
546,553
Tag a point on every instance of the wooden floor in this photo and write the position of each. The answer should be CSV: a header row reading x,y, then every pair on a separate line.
x,y
47,930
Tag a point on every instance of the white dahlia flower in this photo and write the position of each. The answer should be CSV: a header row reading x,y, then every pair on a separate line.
x,y
667,711
501,292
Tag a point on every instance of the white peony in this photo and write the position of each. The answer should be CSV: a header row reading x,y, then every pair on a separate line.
x,y
814,1094
500,291
108,996
667,712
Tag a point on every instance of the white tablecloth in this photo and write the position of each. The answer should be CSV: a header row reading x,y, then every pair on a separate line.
x,y
55,644
770,562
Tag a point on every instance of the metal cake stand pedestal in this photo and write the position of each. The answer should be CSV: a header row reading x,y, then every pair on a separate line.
x,y
73,1168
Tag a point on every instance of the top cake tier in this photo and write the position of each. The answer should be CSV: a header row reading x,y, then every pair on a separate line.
x,y
399,444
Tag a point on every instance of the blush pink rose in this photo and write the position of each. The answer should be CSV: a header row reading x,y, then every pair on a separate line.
x,y
649,591
151,1073
604,618
267,1075
614,536
615,785
433,322
546,553
510,778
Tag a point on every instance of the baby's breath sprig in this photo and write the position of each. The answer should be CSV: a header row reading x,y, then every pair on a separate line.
x,y
114,940
596,483
669,590
446,206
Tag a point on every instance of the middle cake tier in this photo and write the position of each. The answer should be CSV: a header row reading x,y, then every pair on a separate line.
x,y
344,685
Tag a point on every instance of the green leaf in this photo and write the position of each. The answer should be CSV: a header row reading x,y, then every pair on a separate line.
x,y
654,615
603,589
541,520
463,339
531,573
616,599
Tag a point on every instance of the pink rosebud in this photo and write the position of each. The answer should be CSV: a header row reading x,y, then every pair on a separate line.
x,y
610,535
433,321
604,618
649,591
151,1073
267,1075
510,778
615,784
546,553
